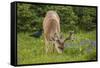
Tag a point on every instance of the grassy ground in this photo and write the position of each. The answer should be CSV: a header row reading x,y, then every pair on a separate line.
x,y
31,50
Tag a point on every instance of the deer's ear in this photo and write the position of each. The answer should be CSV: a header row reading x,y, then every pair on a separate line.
x,y
52,39
56,36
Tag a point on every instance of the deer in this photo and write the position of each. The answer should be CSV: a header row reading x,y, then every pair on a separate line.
x,y
51,32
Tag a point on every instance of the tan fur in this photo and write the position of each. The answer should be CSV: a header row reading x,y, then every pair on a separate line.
x,y
51,25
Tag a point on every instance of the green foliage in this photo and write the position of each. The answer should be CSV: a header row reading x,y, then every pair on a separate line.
x,y
30,17
86,18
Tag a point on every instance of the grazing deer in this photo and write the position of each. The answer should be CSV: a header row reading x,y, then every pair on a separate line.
x,y
51,28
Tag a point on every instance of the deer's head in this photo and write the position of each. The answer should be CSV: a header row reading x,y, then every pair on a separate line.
x,y
59,41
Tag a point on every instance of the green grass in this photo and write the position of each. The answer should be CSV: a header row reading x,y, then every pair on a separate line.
x,y
30,50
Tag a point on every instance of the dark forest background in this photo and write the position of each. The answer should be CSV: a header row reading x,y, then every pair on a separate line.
x,y
30,17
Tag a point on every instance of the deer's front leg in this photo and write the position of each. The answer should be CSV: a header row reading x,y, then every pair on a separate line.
x,y
46,46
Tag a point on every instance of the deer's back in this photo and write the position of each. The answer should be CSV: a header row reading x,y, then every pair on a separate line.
x,y
51,24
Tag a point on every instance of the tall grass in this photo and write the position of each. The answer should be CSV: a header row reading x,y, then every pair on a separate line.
x,y
31,50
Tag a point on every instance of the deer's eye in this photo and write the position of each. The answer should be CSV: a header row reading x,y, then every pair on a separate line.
x,y
58,41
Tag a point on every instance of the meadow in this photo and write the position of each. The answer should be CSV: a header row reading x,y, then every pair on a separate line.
x,y
30,50
82,20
